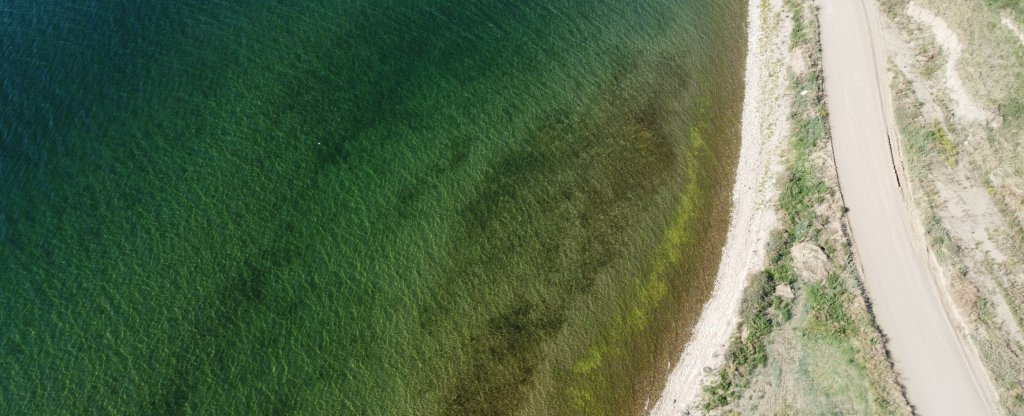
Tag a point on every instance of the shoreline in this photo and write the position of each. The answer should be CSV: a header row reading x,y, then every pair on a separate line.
x,y
752,218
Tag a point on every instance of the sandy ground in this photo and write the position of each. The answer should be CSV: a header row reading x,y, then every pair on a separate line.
x,y
941,371
966,108
764,124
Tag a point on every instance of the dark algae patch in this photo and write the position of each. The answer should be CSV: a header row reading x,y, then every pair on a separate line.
x,y
358,207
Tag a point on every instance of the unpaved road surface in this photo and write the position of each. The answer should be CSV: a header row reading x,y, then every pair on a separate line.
x,y
942,372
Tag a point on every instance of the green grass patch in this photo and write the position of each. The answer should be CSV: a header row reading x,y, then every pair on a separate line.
x,y
940,139
750,351
826,307
798,36
1016,6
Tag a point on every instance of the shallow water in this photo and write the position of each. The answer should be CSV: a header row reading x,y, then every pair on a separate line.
x,y
387,207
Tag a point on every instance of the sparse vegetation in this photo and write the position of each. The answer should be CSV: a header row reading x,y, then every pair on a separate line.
x,y
798,36
826,306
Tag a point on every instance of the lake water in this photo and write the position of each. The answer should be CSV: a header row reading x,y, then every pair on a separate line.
x,y
359,207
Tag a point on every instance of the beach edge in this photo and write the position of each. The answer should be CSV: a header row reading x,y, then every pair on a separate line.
x,y
752,218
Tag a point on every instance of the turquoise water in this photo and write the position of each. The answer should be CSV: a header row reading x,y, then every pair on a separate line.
x,y
358,207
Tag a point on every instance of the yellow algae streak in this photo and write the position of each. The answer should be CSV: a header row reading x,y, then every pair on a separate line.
x,y
670,252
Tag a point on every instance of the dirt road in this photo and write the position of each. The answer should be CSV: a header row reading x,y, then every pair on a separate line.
x,y
941,371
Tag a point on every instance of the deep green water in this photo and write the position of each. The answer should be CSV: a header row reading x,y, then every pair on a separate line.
x,y
358,207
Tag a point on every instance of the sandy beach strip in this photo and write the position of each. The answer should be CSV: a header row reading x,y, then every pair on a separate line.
x,y
754,196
